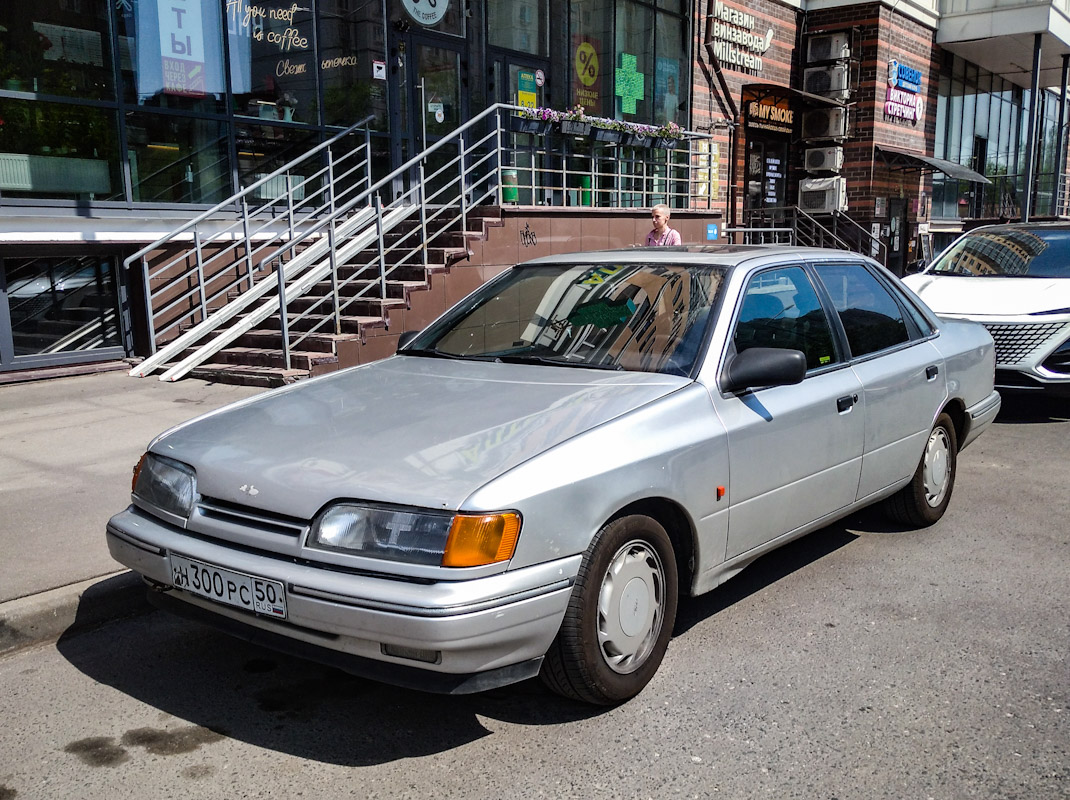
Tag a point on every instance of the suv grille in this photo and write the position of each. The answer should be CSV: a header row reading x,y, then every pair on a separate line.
x,y
1015,343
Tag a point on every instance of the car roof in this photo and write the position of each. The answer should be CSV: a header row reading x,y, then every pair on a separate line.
x,y
1022,226
726,255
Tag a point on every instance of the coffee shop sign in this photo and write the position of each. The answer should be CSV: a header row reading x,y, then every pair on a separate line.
x,y
904,100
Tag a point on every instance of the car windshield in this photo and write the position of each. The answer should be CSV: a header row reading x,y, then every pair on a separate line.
x,y
628,316
1008,252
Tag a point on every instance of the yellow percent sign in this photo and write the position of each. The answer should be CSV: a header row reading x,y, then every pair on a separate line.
x,y
587,63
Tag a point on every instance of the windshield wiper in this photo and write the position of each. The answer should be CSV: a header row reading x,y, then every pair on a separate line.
x,y
553,362
427,352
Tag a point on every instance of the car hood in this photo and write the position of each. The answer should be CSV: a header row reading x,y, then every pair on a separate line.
x,y
415,431
971,296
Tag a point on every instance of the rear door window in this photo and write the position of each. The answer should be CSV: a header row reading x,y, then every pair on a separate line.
x,y
871,316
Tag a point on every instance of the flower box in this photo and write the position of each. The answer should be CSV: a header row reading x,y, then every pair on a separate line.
x,y
605,134
574,127
537,127
667,143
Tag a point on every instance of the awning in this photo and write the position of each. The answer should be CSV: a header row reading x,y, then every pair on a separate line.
x,y
906,161
761,91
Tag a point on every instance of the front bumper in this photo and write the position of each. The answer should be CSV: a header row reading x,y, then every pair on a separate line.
x,y
484,631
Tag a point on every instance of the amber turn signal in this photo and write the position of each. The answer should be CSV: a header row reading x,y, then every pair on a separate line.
x,y
137,471
476,540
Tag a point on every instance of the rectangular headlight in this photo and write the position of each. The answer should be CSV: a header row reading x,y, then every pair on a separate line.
x,y
166,484
416,536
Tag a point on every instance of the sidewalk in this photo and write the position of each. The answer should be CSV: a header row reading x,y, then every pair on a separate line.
x,y
67,448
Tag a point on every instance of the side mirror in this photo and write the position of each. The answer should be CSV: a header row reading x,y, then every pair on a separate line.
x,y
406,337
764,366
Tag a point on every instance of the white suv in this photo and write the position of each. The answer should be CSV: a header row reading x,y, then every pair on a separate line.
x,y
1014,280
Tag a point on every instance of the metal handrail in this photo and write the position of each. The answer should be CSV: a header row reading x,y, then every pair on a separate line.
x,y
344,224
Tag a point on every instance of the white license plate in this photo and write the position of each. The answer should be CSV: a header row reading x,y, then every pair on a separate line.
x,y
232,588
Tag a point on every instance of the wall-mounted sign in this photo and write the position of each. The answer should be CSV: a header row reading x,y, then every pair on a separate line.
x,y
585,73
426,12
735,40
379,70
526,94
776,117
629,83
904,100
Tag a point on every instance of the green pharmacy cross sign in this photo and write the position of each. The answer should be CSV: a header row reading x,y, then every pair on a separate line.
x,y
630,83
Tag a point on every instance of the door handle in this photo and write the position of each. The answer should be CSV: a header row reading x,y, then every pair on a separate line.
x,y
845,403
931,372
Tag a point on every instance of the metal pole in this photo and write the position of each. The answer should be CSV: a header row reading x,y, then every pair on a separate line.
x,y
382,251
1031,141
464,188
290,210
1060,140
284,327
248,244
421,188
331,244
148,305
200,274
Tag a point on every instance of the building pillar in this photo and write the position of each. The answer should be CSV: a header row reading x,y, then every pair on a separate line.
x,y
1031,140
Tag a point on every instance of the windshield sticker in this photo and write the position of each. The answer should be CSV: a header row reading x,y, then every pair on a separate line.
x,y
598,275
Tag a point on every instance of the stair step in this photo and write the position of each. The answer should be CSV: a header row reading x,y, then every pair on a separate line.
x,y
243,375
349,324
264,338
271,357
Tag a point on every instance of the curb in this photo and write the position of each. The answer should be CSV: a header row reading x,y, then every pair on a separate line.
x,y
47,616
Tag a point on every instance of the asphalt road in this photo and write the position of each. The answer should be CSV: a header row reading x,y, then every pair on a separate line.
x,y
860,662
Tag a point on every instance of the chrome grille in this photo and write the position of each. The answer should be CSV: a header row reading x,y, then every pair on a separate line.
x,y
1015,342
251,518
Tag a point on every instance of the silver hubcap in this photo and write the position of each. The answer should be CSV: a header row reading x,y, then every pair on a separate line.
x,y
630,607
937,471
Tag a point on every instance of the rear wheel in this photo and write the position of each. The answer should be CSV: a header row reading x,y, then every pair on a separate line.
x,y
620,616
924,500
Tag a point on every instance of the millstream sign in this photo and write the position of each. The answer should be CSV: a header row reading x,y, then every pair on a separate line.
x,y
733,27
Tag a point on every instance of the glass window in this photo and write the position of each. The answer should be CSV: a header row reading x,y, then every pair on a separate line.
x,y
871,317
56,47
633,69
350,38
273,65
62,305
177,159
519,25
670,71
176,49
941,117
954,119
262,149
780,309
58,150
591,56
1008,251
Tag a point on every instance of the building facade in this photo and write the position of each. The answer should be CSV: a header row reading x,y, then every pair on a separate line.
x,y
119,119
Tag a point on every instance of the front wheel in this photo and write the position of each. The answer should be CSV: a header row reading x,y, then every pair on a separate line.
x,y
924,500
620,616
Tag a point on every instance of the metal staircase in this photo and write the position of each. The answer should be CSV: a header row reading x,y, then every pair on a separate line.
x,y
792,225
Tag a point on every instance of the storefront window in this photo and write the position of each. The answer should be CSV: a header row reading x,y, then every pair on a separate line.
x,y
177,159
669,70
56,47
591,55
518,25
262,149
58,150
176,53
633,70
350,41
273,65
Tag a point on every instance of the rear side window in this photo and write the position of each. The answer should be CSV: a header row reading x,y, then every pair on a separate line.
x,y
871,317
780,309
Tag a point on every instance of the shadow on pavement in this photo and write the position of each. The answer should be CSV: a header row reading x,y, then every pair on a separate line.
x,y
1020,408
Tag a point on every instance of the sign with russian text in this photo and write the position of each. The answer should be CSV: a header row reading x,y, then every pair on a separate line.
x,y
735,41
585,73
774,117
182,46
903,100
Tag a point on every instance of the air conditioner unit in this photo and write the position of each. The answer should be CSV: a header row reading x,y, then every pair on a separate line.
x,y
823,195
832,81
825,123
829,47
824,159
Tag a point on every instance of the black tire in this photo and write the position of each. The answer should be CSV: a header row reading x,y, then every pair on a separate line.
x,y
620,616
923,501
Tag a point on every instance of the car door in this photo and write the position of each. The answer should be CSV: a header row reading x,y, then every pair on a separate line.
x,y
900,369
794,451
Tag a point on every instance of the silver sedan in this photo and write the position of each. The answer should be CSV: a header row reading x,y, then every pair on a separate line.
x,y
532,482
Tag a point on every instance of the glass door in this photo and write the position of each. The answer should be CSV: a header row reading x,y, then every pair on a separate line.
x,y
522,80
